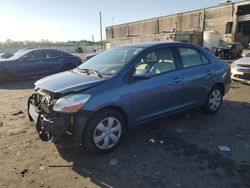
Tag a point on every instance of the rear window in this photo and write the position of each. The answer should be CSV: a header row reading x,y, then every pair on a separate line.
x,y
190,57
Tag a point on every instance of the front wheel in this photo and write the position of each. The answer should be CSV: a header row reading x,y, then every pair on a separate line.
x,y
104,131
214,101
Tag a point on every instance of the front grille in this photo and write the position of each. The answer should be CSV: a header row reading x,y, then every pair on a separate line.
x,y
243,68
43,100
244,77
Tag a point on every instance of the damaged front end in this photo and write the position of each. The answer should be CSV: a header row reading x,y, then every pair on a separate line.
x,y
49,124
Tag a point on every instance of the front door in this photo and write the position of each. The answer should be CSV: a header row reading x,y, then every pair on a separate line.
x,y
162,91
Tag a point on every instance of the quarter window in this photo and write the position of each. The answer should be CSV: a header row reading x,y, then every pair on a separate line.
x,y
205,61
53,53
190,57
158,61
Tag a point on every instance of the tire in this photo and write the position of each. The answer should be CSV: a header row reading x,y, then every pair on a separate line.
x,y
3,76
68,67
214,100
98,136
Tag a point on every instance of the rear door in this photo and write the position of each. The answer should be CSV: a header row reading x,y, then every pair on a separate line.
x,y
54,61
162,92
197,75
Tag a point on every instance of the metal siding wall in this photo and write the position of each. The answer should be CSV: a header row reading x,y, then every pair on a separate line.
x,y
168,24
120,31
143,28
208,19
216,19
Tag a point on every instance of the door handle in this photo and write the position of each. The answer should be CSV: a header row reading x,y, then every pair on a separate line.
x,y
177,80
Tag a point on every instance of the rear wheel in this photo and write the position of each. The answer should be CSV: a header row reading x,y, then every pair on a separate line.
x,y
104,132
214,100
3,76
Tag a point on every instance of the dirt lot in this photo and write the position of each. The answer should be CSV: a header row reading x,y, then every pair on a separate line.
x,y
185,152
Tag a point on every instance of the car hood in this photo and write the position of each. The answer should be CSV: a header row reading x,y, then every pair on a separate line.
x,y
68,81
244,60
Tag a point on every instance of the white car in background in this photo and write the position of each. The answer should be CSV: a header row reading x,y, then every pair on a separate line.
x,y
241,69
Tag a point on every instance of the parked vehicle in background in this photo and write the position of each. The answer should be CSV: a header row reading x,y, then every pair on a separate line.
x,y
241,69
89,56
126,86
35,63
229,50
79,50
5,55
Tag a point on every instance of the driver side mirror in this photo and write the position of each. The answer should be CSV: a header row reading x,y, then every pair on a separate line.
x,y
142,74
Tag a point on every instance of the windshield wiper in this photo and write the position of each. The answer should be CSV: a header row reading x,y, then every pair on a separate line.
x,y
90,71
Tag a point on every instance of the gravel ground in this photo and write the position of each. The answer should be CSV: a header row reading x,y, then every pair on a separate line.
x,y
179,151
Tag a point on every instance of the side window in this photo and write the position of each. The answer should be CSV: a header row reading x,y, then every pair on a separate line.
x,y
37,54
205,60
53,53
158,61
190,57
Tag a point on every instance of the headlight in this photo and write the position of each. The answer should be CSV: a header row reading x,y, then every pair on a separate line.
x,y
71,103
233,66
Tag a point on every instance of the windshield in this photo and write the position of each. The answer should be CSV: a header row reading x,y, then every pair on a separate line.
x,y
19,54
111,61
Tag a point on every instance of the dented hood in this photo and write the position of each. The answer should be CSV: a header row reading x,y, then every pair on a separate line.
x,y
68,81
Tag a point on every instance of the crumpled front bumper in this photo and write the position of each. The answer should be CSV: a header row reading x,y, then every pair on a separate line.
x,y
55,126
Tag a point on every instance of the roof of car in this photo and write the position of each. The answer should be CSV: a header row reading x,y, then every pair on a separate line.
x,y
152,44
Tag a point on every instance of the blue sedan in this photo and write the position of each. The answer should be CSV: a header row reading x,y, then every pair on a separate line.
x,y
126,86
29,63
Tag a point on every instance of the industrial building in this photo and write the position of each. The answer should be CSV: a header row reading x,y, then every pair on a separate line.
x,y
228,22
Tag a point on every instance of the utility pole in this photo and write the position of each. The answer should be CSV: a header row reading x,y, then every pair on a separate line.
x,y
101,28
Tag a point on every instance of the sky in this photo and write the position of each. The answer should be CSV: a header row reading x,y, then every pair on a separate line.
x,y
63,20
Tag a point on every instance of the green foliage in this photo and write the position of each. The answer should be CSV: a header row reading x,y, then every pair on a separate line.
x,y
26,44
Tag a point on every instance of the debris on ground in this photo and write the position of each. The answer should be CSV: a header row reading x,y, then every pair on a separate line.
x,y
239,135
113,162
224,148
152,140
18,113
42,167
23,172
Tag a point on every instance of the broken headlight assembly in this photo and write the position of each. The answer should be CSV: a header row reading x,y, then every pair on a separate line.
x,y
71,103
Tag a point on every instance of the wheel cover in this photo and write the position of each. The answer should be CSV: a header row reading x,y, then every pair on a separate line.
x,y
215,100
107,133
